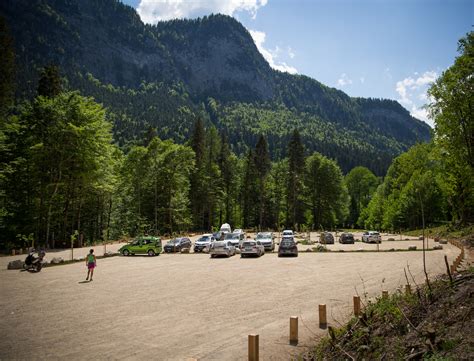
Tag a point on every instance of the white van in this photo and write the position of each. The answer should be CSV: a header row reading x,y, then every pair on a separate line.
x,y
225,228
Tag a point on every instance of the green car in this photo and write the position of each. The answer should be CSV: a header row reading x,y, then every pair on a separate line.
x,y
142,245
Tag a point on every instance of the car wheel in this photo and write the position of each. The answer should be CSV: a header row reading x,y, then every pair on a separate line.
x,y
151,253
212,255
125,252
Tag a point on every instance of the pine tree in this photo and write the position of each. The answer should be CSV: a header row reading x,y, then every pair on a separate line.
x,y
49,84
262,168
296,160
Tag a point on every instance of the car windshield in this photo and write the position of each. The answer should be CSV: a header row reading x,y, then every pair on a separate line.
x,y
204,239
232,236
287,242
174,241
248,244
263,236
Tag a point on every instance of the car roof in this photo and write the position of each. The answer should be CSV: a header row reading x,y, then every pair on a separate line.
x,y
207,235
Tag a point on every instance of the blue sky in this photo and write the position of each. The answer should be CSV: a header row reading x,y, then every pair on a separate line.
x,y
370,48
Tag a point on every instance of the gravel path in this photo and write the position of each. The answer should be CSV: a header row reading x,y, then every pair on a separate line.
x,y
175,307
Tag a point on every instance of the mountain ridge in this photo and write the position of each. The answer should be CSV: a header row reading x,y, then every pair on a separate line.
x,y
191,64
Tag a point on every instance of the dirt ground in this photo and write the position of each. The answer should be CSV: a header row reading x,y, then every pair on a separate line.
x,y
181,306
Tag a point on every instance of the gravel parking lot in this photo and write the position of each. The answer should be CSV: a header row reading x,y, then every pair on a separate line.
x,y
178,306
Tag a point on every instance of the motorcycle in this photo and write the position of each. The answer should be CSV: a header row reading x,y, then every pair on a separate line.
x,y
34,263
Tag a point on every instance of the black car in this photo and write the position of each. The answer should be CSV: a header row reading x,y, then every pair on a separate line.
x,y
288,247
326,238
346,238
177,244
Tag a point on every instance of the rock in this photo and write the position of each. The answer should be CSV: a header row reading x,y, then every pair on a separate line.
x,y
391,250
438,246
109,254
443,241
57,260
391,239
237,251
412,248
360,249
308,250
407,239
420,238
185,250
436,239
17,264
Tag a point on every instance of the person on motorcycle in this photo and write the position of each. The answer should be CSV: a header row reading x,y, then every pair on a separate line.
x,y
90,263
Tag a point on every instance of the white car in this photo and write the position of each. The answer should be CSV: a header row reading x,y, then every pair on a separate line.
x,y
371,237
287,232
204,243
235,238
251,248
222,248
266,239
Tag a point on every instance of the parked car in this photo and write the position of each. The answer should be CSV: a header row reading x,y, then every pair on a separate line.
x,y
326,238
225,228
142,245
346,238
371,237
288,247
251,248
235,238
177,244
204,242
287,232
266,239
222,248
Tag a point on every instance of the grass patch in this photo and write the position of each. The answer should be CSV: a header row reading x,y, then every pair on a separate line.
x,y
427,324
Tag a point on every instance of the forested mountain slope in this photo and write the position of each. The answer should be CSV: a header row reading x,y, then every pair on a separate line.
x,y
161,78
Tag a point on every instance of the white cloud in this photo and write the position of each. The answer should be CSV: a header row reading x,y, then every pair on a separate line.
x,y
269,54
152,11
362,79
344,80
413,91
291,53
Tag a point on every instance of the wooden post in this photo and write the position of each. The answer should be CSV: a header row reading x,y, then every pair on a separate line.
x,y
293,329
385,294
356,305
253,348
407,289
323,321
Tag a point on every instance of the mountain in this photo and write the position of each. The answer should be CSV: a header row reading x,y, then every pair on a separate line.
x,y
161,77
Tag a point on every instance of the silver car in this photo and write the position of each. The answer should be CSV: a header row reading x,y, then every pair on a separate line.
x,y
371,237
266,239
252,248
222,248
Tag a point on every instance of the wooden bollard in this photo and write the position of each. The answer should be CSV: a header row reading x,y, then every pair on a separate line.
x,y
323,321
253,348
294,329
356,300
384,294
407,289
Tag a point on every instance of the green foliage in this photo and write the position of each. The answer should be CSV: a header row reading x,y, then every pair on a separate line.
x,y
326,193
451,108
411,183
361,184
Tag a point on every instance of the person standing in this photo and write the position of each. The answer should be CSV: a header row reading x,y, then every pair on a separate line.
x,y
91,262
